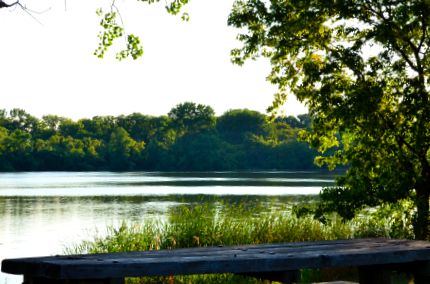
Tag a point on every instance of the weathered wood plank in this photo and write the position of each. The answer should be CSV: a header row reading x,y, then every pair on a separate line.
x,y
237,259
41,280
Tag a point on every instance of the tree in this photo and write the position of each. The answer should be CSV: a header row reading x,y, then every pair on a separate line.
x,y
202,151
53,122
142,127
189,117
238,124
20,119
17,148
71,128
4,162
123,151
50,125
99,127
362,68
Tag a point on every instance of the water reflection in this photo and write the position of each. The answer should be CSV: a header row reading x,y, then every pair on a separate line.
x,y
40,213
105,179
142,183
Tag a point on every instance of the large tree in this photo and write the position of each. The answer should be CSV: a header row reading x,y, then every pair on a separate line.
x,y
362,68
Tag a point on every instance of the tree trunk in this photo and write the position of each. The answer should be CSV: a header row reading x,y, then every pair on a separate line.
x,y
421,226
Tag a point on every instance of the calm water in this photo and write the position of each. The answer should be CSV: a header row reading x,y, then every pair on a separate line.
x,y
42,213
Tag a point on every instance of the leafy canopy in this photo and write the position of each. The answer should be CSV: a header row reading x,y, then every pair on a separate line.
x,y
362,68
191,117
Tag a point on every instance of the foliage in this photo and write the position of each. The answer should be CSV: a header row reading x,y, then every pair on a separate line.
x,y
190,138
362,68
200,152
122,150
235,126
112,30
189,117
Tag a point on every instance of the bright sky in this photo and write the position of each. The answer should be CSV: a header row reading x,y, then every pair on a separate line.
x,y
49,68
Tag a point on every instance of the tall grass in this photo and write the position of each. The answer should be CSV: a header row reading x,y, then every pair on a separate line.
x,y
212,224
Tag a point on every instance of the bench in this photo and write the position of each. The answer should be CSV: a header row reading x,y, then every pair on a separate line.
x,y
374,258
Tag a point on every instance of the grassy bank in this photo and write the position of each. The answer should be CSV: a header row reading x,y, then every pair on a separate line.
x,y
214,224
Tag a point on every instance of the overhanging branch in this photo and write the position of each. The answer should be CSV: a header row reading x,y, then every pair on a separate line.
x,y
5,5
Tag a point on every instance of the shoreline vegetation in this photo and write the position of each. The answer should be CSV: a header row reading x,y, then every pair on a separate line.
x,y
214,224
189,138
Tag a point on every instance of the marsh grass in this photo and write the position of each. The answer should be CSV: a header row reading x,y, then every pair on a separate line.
x,y
213,224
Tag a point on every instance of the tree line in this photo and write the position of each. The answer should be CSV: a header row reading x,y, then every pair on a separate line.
x,y
189,138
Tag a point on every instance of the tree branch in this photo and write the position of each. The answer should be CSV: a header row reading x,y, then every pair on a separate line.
x,y
398,33
5,5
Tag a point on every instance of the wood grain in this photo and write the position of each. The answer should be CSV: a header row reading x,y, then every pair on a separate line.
x,y
249,259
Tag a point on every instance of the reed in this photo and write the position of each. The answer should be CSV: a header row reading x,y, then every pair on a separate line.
x,y
213,224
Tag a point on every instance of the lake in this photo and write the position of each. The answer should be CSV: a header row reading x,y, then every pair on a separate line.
x,y
42,213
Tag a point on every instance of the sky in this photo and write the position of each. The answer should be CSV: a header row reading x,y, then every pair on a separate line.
x,y
48,66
